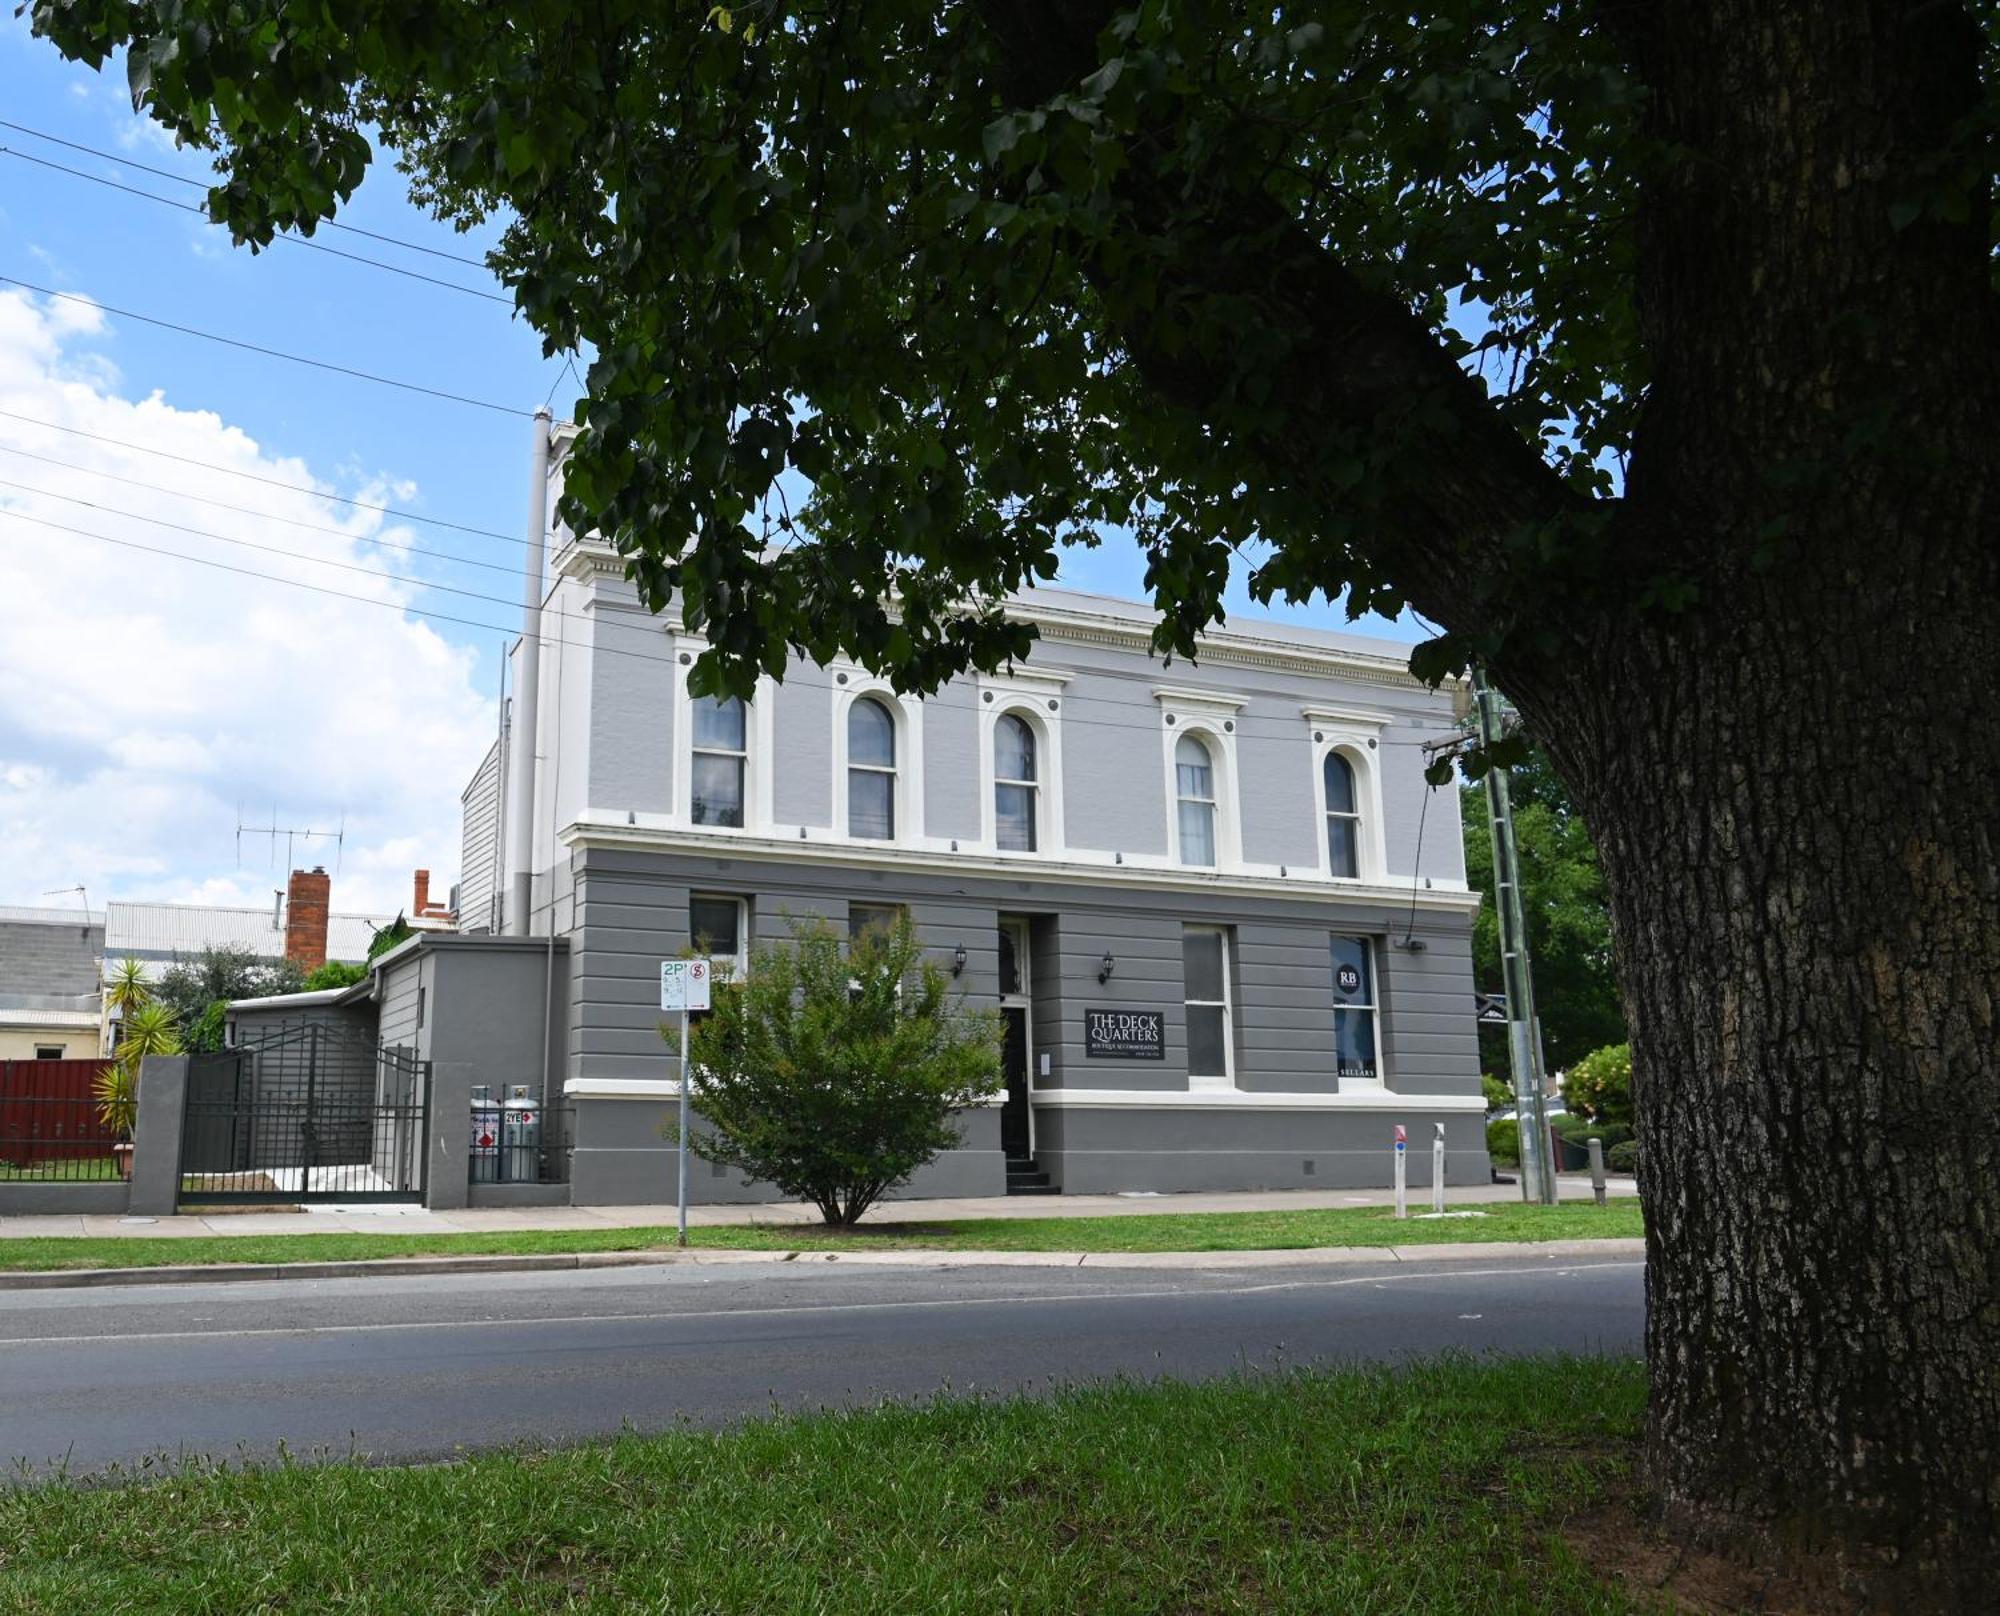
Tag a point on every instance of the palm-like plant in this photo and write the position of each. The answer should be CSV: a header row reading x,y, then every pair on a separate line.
x,y
150,1029
127,990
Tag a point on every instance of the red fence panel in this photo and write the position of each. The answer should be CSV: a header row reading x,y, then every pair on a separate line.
x,y
48,1118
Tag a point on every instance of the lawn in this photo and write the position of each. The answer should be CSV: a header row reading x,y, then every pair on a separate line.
x,y
1165,1231
1443,1486
61,1170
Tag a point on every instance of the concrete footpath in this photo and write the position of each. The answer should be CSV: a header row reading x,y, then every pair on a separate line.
x,y
401,1219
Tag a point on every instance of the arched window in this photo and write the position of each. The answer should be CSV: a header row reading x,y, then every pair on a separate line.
x,y
1015,800
871,771
720,752
1343,817
1194,785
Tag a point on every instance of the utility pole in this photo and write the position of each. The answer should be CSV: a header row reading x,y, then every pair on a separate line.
x,y
525,731
1538,1181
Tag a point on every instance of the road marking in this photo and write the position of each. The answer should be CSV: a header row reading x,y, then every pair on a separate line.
x,y
308,1331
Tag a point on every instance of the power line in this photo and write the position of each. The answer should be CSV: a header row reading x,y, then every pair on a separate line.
x,y
268,353
269,549
273,482
265,516
184,179
317,589
296,241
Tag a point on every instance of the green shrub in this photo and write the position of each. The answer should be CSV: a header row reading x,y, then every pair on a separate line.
x,y
1600,1085
1499,1097
1578,1129
1623,1157
335,974
1503,1142
835,1071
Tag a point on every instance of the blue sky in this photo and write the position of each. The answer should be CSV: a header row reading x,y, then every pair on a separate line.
x,y
340,435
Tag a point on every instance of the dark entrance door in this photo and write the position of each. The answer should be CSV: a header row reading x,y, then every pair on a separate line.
x,y
1014,1141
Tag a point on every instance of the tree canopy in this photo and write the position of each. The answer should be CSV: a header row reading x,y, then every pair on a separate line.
x,y
982,280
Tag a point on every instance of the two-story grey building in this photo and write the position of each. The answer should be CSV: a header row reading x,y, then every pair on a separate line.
x,y
1224,919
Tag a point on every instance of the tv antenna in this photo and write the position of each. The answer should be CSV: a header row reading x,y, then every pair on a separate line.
x,y
78,889
293,835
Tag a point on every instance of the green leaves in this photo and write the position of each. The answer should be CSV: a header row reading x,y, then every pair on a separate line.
x,y
834,1072
885,304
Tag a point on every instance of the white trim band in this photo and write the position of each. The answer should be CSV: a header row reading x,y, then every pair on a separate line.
x,y
1248,1100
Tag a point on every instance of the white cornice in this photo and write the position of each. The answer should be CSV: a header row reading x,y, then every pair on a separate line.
x,y
711,842
1234,647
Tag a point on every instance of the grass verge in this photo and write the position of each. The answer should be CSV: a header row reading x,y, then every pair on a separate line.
x,y
1436,1487
1163,1231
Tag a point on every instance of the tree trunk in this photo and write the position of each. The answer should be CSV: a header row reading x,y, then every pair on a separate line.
x,y
1796,807
1791,775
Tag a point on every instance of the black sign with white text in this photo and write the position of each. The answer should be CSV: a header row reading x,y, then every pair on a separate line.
x,y
1125,1034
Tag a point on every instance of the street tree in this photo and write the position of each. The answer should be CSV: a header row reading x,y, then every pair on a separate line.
x,y
1647,350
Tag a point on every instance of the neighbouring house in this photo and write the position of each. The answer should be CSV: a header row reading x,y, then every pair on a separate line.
x,y
1223,918
49,1005
300,925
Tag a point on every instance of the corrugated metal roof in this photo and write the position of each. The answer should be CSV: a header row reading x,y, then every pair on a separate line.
x,y
162,930
48,1018
22,914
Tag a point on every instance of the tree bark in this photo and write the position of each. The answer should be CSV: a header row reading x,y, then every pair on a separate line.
x,y
1792,783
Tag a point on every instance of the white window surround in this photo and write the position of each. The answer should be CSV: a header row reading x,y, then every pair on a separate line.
x,y
739,962
1035,698
759,767
1356,736
908,712
1209,716
1226,1078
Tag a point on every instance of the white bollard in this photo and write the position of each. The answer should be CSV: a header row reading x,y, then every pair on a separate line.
x,y
1437,1170
1402,1172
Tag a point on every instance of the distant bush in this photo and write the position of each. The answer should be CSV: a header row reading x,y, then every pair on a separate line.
x,y
1600,1085
1503,1142
1577,1129
1623,1157
1499,1097
335,974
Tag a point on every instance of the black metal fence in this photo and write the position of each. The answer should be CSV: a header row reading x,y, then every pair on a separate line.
x,y
50,1128
305,1112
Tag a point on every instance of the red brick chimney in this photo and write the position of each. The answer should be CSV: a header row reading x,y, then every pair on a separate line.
x,y
423,908
306,902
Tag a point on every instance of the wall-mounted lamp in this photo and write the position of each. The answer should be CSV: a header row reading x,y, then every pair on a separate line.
x,y
1105,967
958,960
1416,945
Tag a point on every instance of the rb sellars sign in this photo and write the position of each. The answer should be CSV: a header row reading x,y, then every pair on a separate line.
x,y
684,984
1125,1035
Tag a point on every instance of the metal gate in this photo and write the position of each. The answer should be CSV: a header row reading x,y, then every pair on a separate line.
x,y
305,1112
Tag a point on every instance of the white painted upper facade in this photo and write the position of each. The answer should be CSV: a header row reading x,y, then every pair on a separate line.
x,y
1213,773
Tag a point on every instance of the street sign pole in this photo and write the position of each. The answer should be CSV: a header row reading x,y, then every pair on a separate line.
x,y
1402,1172
681,1198
684,986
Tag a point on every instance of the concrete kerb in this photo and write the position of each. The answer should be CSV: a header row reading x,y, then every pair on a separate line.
x,y
405,1267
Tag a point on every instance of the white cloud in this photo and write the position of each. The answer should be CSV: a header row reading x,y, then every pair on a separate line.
x,y
145,701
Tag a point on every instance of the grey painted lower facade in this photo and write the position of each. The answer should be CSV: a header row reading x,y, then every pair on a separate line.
x,y
1280,1117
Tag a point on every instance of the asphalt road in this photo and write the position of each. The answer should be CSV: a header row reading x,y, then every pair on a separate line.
x,y
423,1368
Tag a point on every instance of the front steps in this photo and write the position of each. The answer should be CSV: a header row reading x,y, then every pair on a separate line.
x,y
1025,1178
